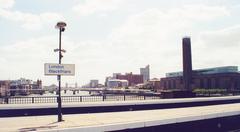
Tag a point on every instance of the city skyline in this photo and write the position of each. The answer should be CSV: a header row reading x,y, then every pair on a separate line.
x,y
116,36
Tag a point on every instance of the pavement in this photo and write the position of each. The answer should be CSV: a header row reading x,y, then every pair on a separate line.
x,y
116,120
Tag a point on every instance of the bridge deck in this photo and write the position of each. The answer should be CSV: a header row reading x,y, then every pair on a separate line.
x,y
118,120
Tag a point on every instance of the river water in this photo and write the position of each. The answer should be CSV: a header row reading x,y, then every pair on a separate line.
x,y
68,93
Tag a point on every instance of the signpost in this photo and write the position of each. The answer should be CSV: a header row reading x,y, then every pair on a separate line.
x,y
53,69
59,69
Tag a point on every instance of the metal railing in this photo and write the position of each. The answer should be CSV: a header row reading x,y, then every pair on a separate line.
x,y
69,99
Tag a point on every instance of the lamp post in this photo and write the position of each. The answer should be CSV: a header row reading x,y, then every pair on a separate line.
x,y
61,26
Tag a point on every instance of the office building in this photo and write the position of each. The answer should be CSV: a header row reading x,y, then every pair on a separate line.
x,y
115,75
146,73
115,83
93,83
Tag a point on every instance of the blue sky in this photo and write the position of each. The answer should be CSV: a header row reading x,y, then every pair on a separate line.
x,y
107,36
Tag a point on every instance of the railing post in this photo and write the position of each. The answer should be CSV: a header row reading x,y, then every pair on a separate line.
x,y
144,97
124,96
104,97
80,98
6,100
32,99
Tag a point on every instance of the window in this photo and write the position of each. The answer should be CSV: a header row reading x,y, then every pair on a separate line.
x,y
217,85
201,83
174,84
209,83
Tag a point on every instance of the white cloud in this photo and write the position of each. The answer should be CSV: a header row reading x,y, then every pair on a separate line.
x,y
154,36
199,12
157,30
27,20
149,37
92,6
218,47
224,38
24,51
26,58
6,4
30,21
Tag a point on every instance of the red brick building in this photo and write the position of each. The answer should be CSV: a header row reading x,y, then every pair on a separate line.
x,y
133,79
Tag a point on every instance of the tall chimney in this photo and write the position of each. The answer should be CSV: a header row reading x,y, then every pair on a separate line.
x,y
187,63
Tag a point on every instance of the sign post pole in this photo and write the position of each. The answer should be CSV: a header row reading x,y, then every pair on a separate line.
x,y
61,26
59,99
59,69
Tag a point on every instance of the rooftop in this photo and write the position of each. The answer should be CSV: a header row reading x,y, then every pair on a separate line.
x,y
215,70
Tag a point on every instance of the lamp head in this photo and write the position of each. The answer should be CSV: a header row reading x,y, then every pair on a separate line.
x,y
61,25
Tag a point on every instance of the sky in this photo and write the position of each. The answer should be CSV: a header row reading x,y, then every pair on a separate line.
x,y
116,36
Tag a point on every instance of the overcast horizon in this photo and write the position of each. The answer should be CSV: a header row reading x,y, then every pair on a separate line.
x,y
116,36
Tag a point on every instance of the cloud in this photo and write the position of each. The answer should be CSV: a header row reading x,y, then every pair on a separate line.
x,y
154,35
26,58
155,28
6,4
199,12
31,21
28,20
223,38
149,37
29,50
90,7
218,47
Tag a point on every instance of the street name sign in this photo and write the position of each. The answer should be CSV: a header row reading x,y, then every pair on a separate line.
x,y
59,69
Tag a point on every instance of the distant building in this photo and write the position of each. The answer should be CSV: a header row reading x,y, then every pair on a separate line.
x,y
20,87
154,84
227,77
106,80
101,86
37,87
207,71
24,87
146,73
115,75
4,88
115,83
37,84
93,84
133,79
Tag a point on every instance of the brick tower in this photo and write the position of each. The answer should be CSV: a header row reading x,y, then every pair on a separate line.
x,y
187,63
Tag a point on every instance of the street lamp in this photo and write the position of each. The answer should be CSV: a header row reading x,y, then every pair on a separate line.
x,y
61,26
